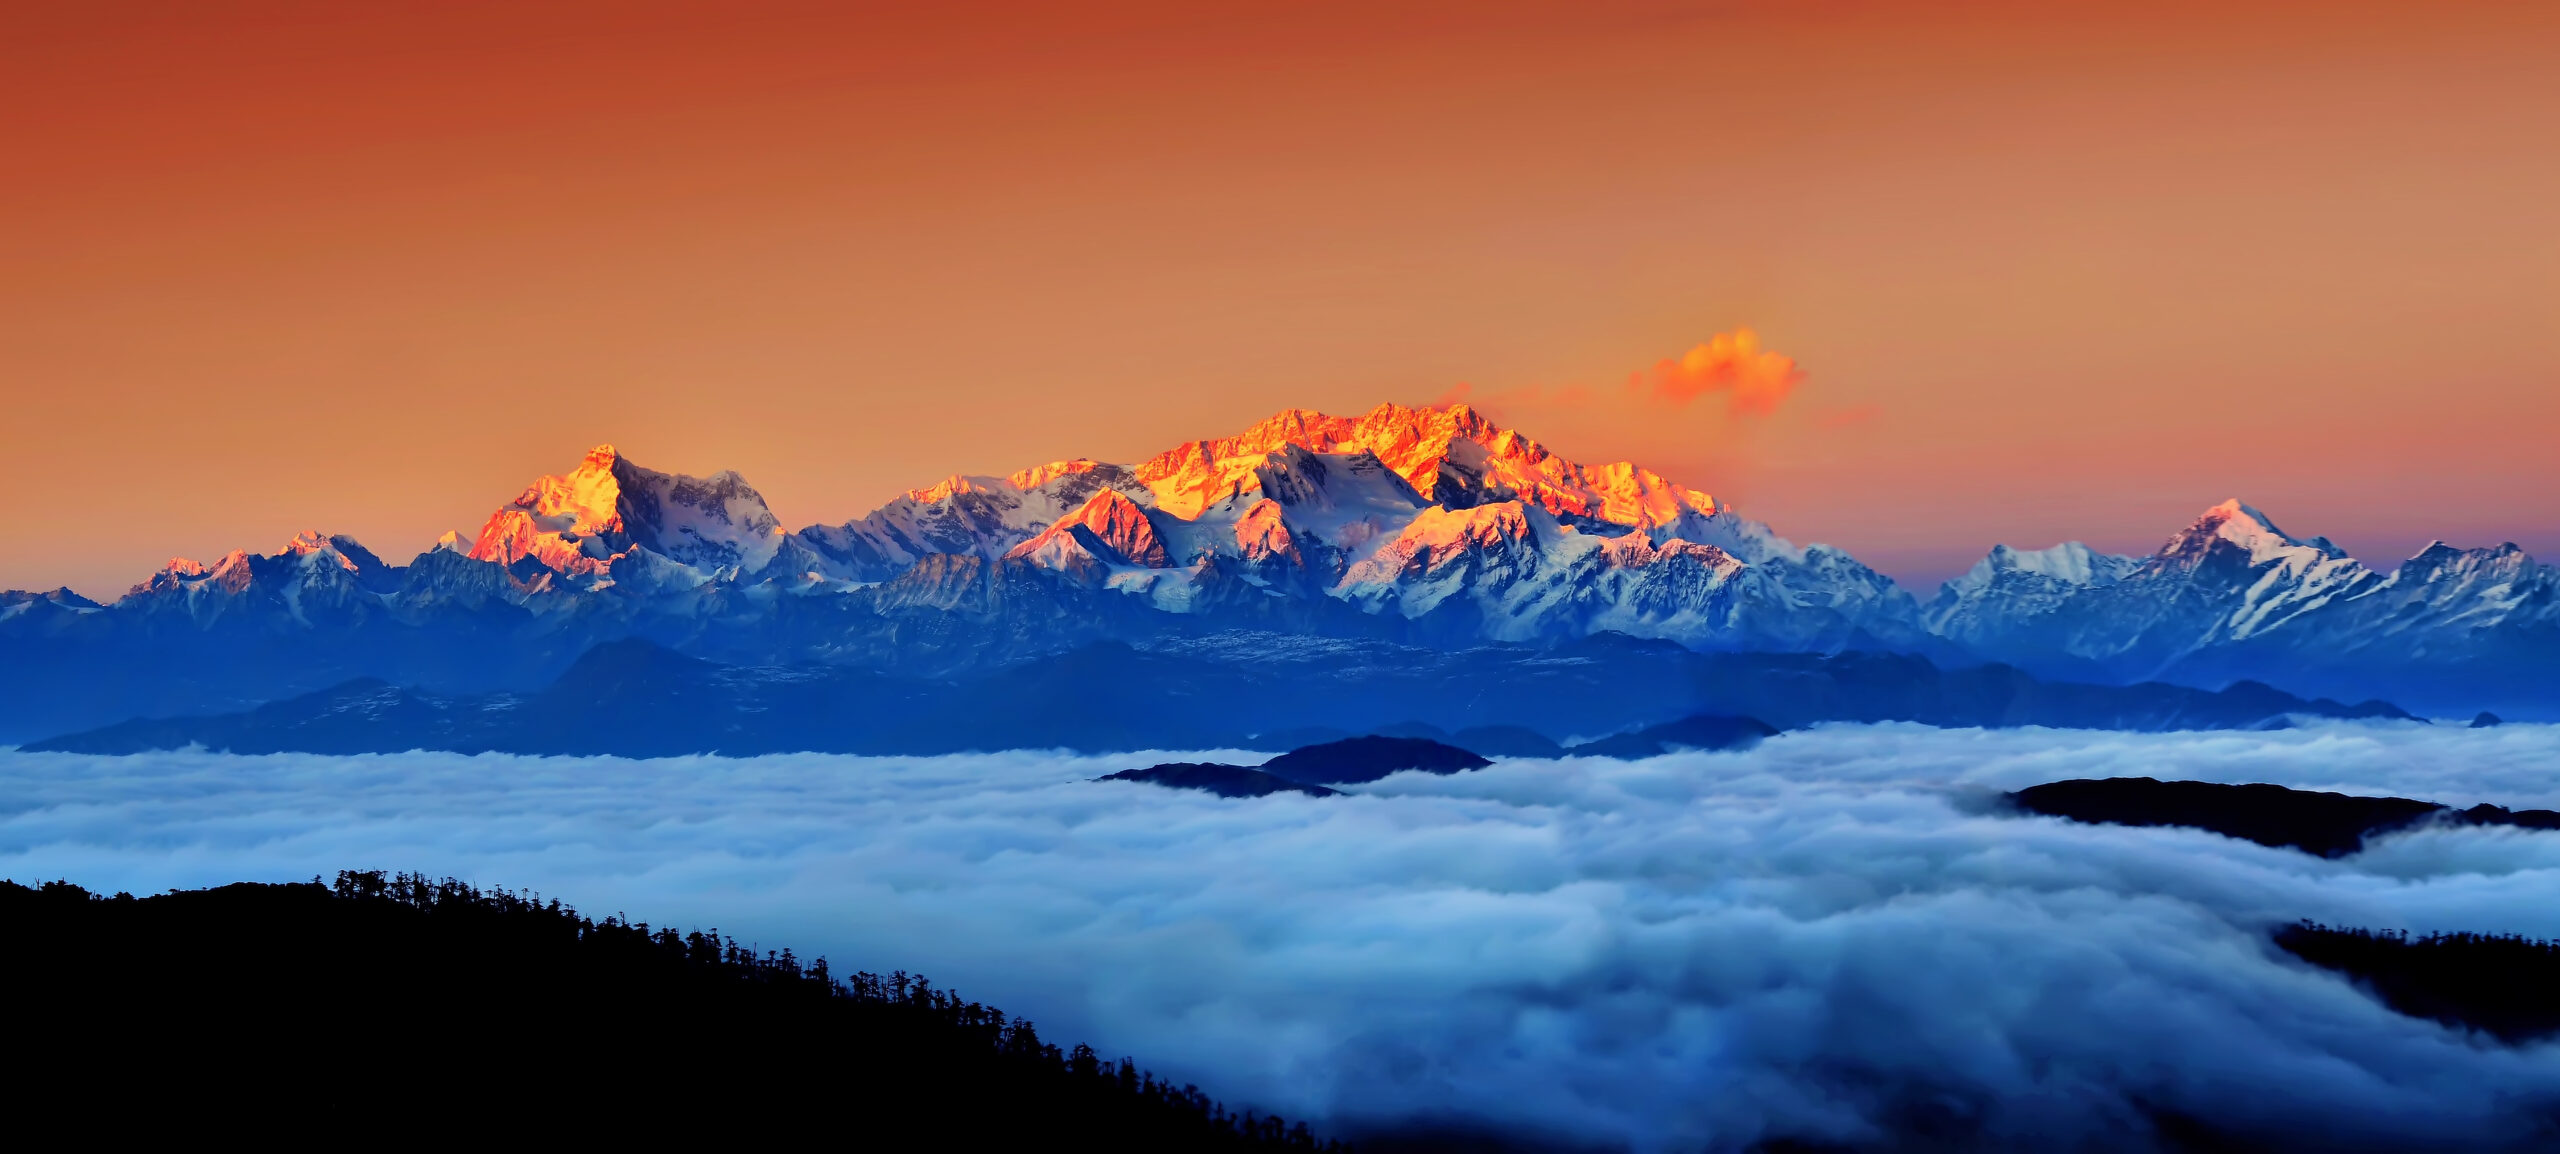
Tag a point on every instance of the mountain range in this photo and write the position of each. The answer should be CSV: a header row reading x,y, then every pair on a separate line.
x,y
1421,529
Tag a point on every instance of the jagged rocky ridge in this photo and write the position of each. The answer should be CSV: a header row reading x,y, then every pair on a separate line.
x,y
1428,527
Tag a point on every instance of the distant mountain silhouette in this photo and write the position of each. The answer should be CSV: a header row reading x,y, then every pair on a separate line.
x,y
1354,760
1349,761
1211,777
1505,741
1705,731
636,698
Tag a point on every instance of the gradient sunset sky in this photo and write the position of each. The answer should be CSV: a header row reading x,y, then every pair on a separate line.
x,y
2048,271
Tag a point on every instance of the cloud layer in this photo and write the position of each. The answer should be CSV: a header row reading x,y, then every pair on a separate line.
x,y
1828,938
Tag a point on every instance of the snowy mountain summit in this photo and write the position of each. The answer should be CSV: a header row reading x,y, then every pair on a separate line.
x,y
1429,514
582,521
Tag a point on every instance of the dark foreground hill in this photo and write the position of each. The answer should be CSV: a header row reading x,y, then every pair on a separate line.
x,y
2505,985
634,698
2327,824
383,1010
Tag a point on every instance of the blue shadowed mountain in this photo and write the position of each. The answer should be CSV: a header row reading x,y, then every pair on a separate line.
x,y
1621,696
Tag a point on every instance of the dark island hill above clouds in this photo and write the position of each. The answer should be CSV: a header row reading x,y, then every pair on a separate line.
x,y
1404,537
1313,770
2327,824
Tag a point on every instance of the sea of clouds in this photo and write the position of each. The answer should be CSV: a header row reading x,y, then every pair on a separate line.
x,y
1833,937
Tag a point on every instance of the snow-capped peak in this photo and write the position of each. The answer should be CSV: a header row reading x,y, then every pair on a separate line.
x,y
555,517
2252,531
1038,475
952,486
315,547
579,521
1110,520
2009,585
1450,454
2245,525
2069,563
589,495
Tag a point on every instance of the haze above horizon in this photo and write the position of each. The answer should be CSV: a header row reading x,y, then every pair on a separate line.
x,y
2043,275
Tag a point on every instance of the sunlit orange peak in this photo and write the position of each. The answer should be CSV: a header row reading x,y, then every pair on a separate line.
x,y
544,520
946,489
1038,475
1433,448
1109,518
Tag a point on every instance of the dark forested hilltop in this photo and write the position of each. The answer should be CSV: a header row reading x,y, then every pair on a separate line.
x,y
2327,824
2506,985
383,1007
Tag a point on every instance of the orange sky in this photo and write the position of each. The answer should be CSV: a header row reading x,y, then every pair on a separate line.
x,y
2049,270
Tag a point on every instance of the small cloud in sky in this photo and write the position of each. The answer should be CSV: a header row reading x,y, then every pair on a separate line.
x,y
1845,416
1754,382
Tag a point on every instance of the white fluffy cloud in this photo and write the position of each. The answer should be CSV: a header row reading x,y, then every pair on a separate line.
x,y
1827,937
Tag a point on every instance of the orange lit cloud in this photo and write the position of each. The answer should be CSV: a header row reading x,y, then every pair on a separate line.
x,y
1655,416
1753,382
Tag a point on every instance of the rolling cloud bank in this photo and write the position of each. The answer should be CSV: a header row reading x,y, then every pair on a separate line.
x,y
1834,937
